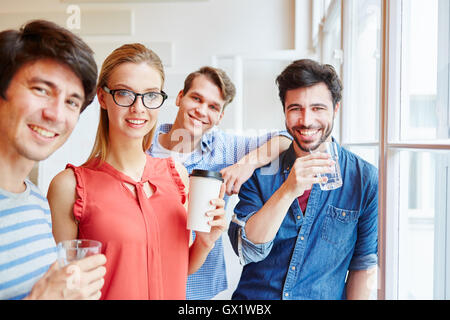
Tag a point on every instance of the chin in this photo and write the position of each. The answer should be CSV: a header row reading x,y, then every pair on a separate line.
x,y
36,156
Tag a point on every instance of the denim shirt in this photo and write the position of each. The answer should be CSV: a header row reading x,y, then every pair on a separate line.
x,y
312,251
217,150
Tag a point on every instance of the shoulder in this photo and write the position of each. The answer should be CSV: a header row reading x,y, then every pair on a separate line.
x,y
216,135
65,176
63,181
176,169
361,163
360,167
182,172
164,127
156,150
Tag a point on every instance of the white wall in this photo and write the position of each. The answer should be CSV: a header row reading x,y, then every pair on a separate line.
x,y
188,34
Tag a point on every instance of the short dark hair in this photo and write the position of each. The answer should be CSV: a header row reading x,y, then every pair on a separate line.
x,y
218,77
305,73
40,39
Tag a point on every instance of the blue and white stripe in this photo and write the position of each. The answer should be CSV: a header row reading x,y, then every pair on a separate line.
x,y
27,246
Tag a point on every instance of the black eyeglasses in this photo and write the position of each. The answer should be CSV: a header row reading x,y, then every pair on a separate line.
x,y
126,98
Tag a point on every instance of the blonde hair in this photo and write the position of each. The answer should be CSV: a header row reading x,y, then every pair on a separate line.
x,y
134,53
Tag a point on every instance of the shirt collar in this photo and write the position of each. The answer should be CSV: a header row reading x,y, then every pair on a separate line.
x,y
288,159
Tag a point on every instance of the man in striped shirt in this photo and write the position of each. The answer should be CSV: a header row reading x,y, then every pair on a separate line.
x,y
47,77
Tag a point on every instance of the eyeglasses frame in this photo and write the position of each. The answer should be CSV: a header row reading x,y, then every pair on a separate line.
x,y
112,92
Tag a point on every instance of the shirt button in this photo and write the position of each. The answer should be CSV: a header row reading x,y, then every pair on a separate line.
x,y
293,268
286,294
344,214
298,217
302,238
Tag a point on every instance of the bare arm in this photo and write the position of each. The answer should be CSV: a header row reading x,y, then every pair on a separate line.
x,y
235,175
182,172
361,283
61,197
88,272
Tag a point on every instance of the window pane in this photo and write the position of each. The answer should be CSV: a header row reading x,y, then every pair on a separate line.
x,y
362,71
332,49
423,118
318,14
422,207
370,154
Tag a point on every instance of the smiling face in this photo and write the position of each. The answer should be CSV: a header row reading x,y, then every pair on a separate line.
x,y
309,116
136,121
201,108
42,107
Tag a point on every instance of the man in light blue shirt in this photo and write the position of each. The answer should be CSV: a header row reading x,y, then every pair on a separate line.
x,y
295,240
194,140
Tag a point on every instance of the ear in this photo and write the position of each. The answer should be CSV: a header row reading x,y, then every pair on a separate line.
x,y
220,117
336,108
179,96
101,98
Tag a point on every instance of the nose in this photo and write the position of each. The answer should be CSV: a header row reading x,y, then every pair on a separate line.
x,y
202,109
53,110
138,105
307,118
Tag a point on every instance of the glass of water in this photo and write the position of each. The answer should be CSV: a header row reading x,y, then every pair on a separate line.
x,y
71,250
334,178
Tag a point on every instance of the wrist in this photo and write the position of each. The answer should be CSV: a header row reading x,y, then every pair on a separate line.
x,y
202,243
250,161
287,193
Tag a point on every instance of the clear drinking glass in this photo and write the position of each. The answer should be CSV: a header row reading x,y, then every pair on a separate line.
x,y
72,250
334,178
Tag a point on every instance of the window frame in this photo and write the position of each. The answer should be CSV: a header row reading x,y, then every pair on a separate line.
x,y
389,168
390,145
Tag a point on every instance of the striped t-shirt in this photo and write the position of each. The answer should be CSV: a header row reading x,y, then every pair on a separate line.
x,y
27,246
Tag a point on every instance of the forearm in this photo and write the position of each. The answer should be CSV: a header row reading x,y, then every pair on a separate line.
x,y
198,252
361,283
264,224
267,152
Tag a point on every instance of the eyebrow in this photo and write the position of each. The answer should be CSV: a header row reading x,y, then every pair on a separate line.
x,y
53,86
131,89
317,104
203,97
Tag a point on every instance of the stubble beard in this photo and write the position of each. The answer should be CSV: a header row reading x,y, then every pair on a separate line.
x,y
322,139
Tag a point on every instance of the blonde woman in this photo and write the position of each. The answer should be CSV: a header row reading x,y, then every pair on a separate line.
x,y
133,203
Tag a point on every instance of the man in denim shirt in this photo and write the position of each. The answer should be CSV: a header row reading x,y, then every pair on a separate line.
x,y
294,240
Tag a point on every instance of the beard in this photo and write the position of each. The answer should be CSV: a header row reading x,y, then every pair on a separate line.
x,y
325,135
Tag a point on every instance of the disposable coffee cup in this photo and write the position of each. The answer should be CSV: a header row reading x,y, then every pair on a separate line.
x,y
204,185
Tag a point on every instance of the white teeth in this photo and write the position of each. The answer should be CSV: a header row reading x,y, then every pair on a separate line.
x,y
308,132
136,121
196,121
43,132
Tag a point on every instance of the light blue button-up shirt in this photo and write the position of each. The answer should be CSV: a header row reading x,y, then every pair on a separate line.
x,y
312,252
217,150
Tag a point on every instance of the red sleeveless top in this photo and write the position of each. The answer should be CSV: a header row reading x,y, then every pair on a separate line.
x,y
145,240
